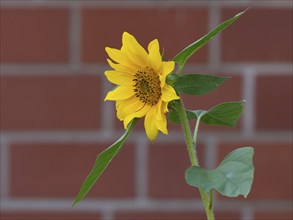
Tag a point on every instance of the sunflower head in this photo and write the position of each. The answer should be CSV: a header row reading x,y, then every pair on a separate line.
x,y
141,78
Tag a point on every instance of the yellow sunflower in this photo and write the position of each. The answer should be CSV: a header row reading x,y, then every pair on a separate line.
x,y
141,79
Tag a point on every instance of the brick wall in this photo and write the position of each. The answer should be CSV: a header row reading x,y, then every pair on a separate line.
x,y
54,121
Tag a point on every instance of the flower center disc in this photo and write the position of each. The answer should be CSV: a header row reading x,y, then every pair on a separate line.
x,y
147,86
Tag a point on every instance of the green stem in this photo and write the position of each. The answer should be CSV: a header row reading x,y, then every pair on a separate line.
x,y
207,207
193,156
211,200
179,69
187,133
196,131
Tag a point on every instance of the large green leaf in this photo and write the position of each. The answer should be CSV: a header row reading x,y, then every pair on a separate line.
x,y
102,161
233,176
225,114
197,84
183,56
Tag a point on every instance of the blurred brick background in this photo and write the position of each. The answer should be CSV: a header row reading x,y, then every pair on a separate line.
x,y
54,121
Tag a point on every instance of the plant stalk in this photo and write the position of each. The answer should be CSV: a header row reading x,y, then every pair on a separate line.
x,y
187,133
193,155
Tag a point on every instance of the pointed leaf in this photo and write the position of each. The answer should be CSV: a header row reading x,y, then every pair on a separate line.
x,y
183,56
226,114
102,161
197,84
233,176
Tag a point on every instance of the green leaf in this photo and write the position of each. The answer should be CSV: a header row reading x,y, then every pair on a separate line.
x,y
224,114
183,56
197,84
102,161
233,176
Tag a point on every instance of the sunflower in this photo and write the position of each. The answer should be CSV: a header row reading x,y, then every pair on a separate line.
x,y
141,79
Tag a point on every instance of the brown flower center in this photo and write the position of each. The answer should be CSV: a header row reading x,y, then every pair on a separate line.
x,y
147,86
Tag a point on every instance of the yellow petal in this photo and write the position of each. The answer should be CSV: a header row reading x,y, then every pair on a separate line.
x,y
150,125
169,93
160,118
120,57
120,67
128,107
120,93
164,107
168,67
155,56
134,50
162,80
158,110
138,114
119,78
162,125
118,103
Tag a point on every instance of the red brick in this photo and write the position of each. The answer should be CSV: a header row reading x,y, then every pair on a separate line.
x,y
252,39
172,216
220,215
175,28
34,35
59,169
50,102
159,215
274,103
273,169
270,215
49,216
167,165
